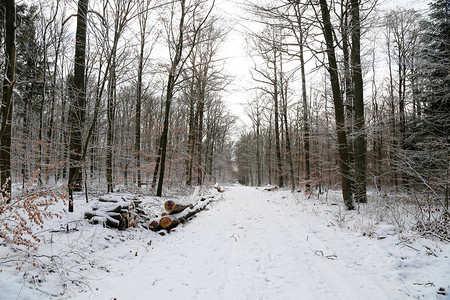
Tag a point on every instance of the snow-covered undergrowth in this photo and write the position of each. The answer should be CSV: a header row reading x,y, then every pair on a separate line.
x,y
383,233
250,244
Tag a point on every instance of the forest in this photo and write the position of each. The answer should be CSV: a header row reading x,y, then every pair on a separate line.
x,y
118,95
215,149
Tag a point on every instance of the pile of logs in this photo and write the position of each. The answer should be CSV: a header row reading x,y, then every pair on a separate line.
x,y
219,188
270,188
178,214
121,212
115,211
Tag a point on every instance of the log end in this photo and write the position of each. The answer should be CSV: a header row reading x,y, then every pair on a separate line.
x,y
153,224
165,222
169,206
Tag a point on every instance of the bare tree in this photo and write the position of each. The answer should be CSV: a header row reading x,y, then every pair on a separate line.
x,y
338,105
9,8
360,140
175,69
78,97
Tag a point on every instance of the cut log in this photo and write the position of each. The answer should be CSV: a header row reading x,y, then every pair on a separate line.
x,y
114,215
113,207
110,198
219,189
153,225
270,188
173,220
173,208
114,198
109,220
168,221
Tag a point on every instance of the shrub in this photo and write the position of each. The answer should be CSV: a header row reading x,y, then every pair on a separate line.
x,y
22,213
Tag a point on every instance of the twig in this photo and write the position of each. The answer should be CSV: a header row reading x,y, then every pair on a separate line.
x,y
408,246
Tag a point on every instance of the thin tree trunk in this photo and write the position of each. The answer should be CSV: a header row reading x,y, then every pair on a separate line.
x,y
199,140
258,151
276,121
304,100
393,160
360,140
111,119
169,95
284,91
137,141
26,130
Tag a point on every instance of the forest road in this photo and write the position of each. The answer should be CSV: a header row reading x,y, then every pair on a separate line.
x,y
251,244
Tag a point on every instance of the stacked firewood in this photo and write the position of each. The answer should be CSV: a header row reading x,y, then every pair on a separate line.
x,y
121,212
270,188
115,211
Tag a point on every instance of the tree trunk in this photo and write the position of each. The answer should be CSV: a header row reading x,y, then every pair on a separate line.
x,y
349,107
191,137
111,119
276,121
360,140
393,159
305,113
258,150
137,141
78,95
338,106
199,140
169,95
7,99
284,97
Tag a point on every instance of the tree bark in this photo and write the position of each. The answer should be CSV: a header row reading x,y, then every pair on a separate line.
x,y
338,106
137,141
7,99
360,140
111,118
276,119
169,95
78,95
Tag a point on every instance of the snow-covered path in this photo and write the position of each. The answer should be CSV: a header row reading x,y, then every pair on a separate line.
x,y
251,245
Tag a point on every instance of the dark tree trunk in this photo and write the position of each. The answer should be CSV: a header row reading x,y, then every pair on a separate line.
x,y
111,119
284,96
304,99
7,99
191,137
258,146
169,95
360,140
338,106
137,141
199,140
78,96
276,121
393,125
349,107
26,130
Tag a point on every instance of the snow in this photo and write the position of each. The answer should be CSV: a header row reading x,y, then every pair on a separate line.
x,y
249,244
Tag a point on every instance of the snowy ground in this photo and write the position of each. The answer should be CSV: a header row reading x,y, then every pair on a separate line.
x,y
250,244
